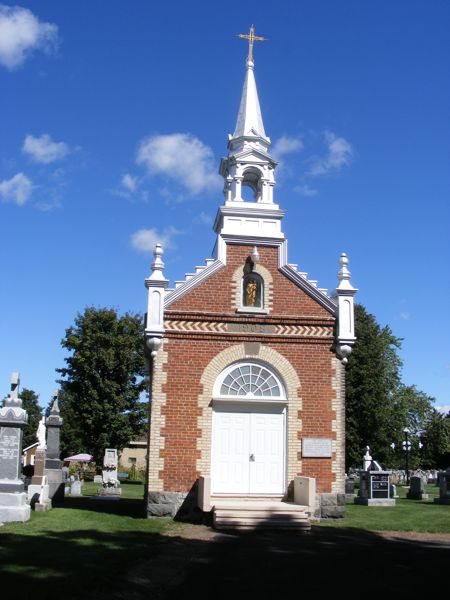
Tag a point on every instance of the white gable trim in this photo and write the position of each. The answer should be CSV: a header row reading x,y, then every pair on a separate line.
x,y
288,270
192,282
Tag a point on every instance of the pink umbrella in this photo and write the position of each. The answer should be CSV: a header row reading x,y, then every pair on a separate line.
x,y
79,458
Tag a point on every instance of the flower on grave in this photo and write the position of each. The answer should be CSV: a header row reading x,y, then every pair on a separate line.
x,y
109,467
110,483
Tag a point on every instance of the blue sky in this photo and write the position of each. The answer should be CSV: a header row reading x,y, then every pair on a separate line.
x,y
94,96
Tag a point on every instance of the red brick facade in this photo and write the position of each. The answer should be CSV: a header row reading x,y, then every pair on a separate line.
x,y
204,324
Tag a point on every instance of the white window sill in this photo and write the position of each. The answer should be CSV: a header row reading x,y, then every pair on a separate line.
x,y
254,310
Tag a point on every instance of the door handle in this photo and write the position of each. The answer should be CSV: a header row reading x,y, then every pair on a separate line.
x,y
252,458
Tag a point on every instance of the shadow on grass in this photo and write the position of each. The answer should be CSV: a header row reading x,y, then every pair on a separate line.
x,y
261,564
130,507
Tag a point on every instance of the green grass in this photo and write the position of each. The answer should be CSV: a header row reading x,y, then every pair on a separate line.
x,y
86,546
80,546
423,516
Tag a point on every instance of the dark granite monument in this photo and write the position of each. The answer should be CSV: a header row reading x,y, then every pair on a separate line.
x,y
13,418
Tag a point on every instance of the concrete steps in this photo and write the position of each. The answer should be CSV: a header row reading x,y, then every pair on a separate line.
x,y
260,514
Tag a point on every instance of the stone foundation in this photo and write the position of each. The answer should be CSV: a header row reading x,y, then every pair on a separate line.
x,y
182,505
331,506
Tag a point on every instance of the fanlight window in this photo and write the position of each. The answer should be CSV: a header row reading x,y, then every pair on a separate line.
x,y
251,380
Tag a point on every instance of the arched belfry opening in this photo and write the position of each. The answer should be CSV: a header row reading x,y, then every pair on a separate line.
x,y
252,185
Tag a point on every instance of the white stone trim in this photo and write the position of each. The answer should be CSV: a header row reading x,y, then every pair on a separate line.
x,y
338,425
157,420
192,282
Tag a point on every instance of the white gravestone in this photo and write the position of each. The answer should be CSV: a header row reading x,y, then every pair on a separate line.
x,y
109,470
111,486
41,434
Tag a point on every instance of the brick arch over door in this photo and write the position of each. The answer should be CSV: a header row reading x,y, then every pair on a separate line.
x,y
294,402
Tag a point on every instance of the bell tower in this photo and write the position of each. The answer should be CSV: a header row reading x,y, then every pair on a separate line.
x,y
249,165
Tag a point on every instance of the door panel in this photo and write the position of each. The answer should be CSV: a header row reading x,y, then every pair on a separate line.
x,y
248,453
267,445
230,454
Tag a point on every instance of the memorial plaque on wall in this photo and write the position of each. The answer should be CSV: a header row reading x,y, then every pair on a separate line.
x,y
316,448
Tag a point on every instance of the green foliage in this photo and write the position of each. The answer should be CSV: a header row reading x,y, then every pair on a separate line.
x,y
30,404
102,382
436,441
379,406
372,380
72,441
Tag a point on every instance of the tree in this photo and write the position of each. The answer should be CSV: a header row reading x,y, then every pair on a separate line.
x,y
372,381
102,382
436,441
379,406
30,404
414,409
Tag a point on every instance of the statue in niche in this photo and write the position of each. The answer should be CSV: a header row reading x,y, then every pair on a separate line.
x,y
250,293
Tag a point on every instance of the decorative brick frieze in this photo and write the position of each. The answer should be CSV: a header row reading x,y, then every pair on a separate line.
x,y
307,331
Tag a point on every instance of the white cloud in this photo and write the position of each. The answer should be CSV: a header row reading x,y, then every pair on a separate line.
x,y
17,189
130,183
21,33
405,316
44,150
203,218
286,145
181,157
145,240
305,190
443,408
340,154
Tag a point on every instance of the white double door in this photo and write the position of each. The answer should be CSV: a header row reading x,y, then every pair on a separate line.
x,y
248,449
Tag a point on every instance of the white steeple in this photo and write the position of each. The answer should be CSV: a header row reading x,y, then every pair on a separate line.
x,y
249,165
249,121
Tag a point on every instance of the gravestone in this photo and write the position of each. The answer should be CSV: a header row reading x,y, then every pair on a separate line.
x,y
53,464
375,489
110,483
393,489
374,484
350,487
75,488
13,418
417,488
38,490
444,487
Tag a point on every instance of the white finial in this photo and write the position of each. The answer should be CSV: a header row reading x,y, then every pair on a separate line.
x,y
157,264
344,274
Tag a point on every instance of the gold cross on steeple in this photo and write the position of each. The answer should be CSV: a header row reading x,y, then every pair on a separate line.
x,y
251,37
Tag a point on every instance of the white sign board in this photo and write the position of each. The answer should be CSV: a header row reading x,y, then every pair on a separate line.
x,y
316,448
